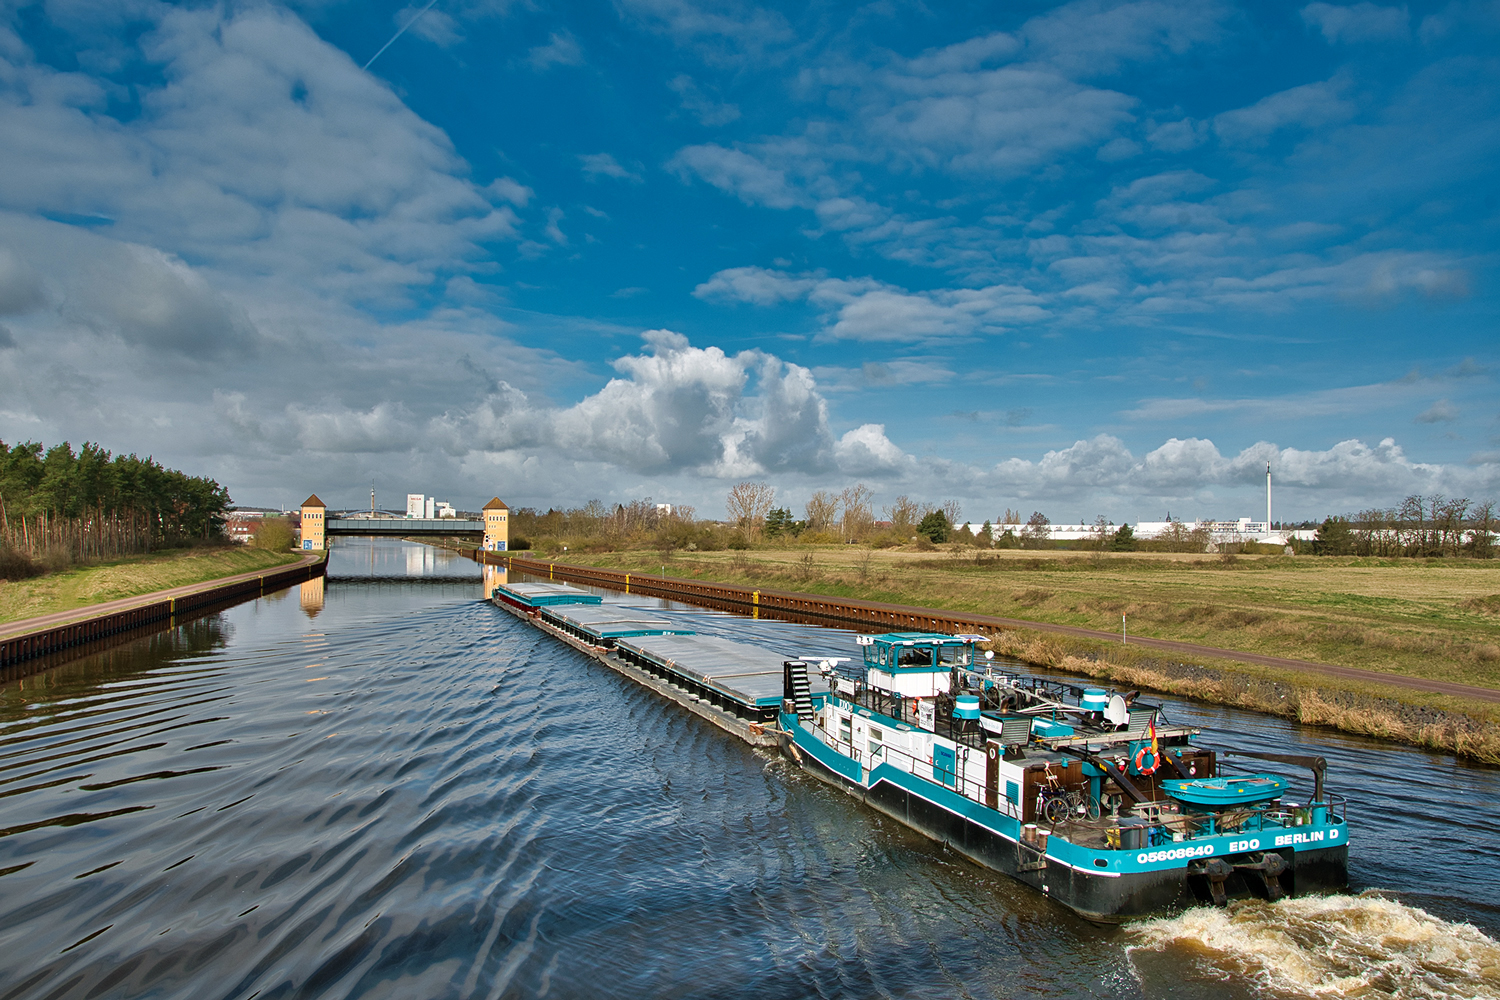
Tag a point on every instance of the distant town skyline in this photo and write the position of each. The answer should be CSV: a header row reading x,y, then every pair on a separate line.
x,y
1085,258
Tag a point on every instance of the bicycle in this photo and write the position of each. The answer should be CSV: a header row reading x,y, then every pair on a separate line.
x,y
1056,804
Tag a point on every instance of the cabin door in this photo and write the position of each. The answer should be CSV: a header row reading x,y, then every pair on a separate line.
x,y
992,774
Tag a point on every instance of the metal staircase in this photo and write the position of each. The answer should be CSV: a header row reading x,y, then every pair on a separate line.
x,y
797,688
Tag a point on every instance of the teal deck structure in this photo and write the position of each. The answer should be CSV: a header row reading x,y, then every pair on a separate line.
x,y
541,595
604,625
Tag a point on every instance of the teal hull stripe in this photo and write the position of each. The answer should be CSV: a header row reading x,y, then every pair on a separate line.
x,y
1150,859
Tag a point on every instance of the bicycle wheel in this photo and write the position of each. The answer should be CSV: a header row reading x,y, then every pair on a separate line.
x,y
1056,810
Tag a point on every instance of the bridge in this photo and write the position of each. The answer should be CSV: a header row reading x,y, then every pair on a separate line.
x,y
401,526
493,528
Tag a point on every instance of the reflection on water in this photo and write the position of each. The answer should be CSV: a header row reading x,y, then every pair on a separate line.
x,y
416,795
353,557
494,576
310,595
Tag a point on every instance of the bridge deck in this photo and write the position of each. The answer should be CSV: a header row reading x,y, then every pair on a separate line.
x,y
402,526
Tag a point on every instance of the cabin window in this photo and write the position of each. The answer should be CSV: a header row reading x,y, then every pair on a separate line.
x,y
845,733
877,738
916,656
953,656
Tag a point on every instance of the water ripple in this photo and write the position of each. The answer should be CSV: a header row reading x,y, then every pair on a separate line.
x,y
401,791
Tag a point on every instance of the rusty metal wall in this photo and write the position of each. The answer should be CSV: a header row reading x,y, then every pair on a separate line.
x,y
18,650
813,609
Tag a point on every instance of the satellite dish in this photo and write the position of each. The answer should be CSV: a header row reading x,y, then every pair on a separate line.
x,y
1116,713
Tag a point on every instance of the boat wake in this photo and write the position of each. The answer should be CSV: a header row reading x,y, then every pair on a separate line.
x,y
1363,946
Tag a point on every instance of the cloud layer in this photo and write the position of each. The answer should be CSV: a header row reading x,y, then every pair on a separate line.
x,y
1051,258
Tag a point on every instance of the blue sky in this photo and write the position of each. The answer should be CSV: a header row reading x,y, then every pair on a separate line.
x,y
1084,258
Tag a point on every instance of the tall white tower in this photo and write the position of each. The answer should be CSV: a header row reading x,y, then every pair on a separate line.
x,y
1268,499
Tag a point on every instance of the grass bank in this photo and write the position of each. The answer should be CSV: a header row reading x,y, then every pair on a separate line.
x,y
130,576
1420,618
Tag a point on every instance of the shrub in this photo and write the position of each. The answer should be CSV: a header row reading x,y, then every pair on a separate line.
x,y
519,543
15,565
273,534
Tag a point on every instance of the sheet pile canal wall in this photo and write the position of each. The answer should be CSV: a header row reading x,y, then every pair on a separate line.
x,y
807,609
29,652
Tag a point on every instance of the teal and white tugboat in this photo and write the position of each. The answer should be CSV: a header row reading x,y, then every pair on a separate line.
x,y
1088,795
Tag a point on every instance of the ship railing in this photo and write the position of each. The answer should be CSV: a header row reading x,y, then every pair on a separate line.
x,y
1261,818
952,778
897,707
948,778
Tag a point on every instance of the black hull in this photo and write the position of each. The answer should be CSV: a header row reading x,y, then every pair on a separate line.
x,y
1097,898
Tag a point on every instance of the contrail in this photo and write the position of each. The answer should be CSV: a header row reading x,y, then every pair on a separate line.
x,y
398,34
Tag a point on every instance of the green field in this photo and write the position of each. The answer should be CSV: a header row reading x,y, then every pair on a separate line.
x,y
1424,618
1421,618
129,577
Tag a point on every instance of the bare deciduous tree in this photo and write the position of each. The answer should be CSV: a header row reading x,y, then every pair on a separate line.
x,y
903,514
823,510
1037,531
1100,536
748,504
953,511
856,503
1481,536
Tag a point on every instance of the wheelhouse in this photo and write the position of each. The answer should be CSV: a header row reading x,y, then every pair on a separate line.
x,y
914,664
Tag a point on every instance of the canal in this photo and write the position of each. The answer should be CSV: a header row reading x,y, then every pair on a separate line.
x,y
383,787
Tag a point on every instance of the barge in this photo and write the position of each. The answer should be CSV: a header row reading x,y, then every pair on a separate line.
x,y
737,686
1090,796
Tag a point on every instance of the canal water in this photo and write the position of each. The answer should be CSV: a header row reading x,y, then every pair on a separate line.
x,y
383,787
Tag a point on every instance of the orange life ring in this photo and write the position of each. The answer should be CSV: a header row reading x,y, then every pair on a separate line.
x,y
1140,760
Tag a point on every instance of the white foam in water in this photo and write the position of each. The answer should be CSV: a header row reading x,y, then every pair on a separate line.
x,y
1362,946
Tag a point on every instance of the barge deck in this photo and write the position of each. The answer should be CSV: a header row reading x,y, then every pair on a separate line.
x,y
740,695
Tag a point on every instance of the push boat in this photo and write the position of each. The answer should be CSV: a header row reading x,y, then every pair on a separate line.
x,y
1088,795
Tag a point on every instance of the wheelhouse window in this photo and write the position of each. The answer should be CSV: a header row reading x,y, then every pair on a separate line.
x,y
953,656
915,656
